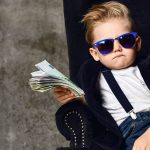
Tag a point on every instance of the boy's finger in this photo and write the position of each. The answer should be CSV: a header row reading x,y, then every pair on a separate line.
x,y
60,89
65,100
58,95
62,92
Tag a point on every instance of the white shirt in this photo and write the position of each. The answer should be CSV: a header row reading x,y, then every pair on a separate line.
x,y
132,84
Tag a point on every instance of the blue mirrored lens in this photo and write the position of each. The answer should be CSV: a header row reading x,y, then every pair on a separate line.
x,y
127,40
105,46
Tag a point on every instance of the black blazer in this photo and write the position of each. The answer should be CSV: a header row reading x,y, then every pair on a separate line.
x,y
110,137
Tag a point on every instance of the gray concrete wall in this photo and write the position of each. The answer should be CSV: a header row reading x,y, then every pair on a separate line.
x,y
30,31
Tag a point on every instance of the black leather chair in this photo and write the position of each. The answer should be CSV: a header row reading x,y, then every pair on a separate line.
x,y
74,120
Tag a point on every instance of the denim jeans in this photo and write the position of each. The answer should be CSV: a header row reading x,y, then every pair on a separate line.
x,y
132,129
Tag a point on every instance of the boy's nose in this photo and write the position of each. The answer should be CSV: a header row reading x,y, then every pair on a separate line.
x,y
117,46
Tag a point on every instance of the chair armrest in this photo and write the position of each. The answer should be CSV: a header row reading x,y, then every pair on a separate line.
x,y
74,121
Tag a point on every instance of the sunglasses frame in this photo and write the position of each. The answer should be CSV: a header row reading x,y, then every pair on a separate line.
x,y
95,45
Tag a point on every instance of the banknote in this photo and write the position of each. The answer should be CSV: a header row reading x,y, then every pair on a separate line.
x,y
48,77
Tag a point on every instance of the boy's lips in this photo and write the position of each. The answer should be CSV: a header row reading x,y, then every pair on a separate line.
x,y
118,56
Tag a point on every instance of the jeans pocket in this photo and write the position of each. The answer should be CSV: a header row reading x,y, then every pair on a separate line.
x,y
129,131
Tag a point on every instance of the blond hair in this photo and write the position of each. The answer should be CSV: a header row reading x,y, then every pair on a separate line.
x,y
103,12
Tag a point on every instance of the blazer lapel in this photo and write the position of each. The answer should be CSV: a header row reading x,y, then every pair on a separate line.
x,y
89,77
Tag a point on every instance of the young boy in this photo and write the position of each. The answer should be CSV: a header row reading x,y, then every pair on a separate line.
x,y
116,84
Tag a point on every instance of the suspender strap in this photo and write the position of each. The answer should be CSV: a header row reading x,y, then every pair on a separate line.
x,y
118,93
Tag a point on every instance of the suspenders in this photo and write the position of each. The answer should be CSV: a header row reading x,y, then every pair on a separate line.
x,y
119,93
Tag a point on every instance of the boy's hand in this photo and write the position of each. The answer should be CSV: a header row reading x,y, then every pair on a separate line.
x,y
63,95
143,142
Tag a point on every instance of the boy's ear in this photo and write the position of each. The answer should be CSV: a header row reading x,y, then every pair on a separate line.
x,y
94,53
138,43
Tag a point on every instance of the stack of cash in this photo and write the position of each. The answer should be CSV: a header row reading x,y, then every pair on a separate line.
x,y
48,77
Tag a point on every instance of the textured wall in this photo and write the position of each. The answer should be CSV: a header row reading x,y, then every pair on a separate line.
x,y
30,31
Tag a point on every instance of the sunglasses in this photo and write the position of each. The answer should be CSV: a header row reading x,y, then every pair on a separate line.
x,y
126,40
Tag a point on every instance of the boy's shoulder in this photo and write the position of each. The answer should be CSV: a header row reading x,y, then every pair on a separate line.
x,y
89,72
144,62
90,66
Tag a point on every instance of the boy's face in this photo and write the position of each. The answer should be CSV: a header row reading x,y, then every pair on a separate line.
x,y
120,57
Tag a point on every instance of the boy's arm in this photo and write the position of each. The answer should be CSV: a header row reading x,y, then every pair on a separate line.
x,y
143,142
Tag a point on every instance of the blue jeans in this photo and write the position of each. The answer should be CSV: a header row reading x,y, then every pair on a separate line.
x,y
132,129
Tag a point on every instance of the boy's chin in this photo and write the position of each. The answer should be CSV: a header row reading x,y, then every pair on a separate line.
x,y
118,66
